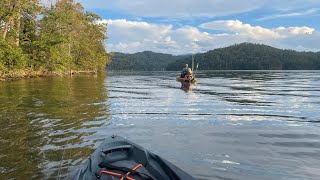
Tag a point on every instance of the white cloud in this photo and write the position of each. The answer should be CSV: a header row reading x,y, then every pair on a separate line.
x,y
256,32
133,36
133,30
285,32
236,26
311,11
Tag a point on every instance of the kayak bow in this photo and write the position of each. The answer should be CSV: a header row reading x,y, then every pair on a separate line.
x,y
118,158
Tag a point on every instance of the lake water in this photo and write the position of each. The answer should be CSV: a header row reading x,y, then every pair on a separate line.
x,y
231,125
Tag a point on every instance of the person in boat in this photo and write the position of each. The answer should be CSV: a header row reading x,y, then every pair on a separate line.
x,y
186,72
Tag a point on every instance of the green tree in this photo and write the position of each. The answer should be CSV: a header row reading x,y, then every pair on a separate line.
x,y
11,58
71,39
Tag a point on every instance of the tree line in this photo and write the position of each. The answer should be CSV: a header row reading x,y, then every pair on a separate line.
x,y
244,56
141,61
48,38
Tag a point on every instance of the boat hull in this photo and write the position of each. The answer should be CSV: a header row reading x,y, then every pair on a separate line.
x,y
118,151
186,80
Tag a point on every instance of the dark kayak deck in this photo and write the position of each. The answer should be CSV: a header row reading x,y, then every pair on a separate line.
x,y
118,158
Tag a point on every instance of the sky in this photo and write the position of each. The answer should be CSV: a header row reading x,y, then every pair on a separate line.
x,y
192,26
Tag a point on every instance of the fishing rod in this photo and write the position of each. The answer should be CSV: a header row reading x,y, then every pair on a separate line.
x,y
192,62
195,74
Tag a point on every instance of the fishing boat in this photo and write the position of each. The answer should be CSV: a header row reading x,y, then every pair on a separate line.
x,y
120,159
189,79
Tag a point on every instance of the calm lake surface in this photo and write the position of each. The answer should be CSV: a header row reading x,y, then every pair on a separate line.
x,y
231,125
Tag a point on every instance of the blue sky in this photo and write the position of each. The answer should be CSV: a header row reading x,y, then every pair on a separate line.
x,y
185,26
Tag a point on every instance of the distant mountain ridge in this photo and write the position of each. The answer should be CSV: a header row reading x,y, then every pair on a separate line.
x,y
244,56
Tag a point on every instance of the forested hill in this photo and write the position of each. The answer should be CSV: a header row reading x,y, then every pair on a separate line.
x,y
142,61
248,56
244,56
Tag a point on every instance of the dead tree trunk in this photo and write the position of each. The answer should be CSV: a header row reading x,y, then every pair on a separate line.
x,y
18,26
9,22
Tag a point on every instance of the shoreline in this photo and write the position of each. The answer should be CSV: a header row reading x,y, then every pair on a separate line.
x,y
26,74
